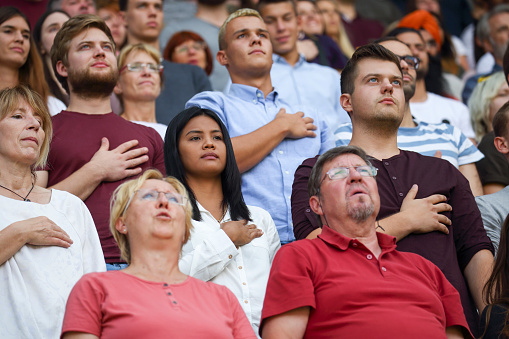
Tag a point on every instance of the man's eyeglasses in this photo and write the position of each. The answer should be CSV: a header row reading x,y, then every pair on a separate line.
x,y
412,62
343,172
197,46
153,195
138,67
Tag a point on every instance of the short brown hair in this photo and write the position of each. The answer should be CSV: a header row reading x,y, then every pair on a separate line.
x,y
237,14
500,121
70,29
369,51
121,197
10,99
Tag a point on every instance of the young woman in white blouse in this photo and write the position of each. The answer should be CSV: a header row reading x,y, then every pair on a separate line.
x,y
231,244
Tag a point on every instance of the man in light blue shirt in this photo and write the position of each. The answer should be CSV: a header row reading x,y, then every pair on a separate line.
x,y
269,143
298,81
426,139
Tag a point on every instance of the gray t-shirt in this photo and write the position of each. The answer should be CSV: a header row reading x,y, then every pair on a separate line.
x,y
494,209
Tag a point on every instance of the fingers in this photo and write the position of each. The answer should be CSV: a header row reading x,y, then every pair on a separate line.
x,y
442,207
412,193
136,161
438,154
301,114
436,198
307,120
131,172
443,220
281,111
126,146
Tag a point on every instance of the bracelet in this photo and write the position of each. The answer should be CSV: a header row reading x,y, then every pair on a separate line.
x,y
378,226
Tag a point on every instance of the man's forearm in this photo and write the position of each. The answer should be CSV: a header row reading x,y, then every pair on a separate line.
x,y
477,273
81,183
470,172
251,148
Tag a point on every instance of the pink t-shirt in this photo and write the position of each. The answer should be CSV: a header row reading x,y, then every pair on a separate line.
x,y
119,305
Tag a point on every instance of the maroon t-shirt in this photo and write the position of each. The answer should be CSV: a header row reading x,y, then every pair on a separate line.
x,y
450,252
76,138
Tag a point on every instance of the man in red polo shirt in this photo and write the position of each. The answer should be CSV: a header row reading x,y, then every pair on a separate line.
x,y
350,282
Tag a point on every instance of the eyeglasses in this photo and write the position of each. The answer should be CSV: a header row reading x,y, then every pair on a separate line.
x,y
138,67
153,195
342,172
197,46
412,62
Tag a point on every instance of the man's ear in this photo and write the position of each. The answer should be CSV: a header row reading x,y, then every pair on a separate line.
x,y
316,206
346,102
502,145
61,69
222,58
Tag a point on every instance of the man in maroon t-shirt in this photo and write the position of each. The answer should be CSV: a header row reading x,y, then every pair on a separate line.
x,y
93,151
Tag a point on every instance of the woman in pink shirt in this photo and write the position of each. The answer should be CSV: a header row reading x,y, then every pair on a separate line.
x,y
151,221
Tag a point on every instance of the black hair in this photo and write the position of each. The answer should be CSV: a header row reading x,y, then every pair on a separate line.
x,y
37,35
230,176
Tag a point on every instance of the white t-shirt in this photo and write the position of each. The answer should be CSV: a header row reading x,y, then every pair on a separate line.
x,y
160,128
55,105
210,255
437,109
35,283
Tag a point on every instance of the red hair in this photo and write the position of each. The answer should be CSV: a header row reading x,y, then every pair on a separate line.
x,y
181,37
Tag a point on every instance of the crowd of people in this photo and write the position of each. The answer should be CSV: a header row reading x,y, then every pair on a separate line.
x,y
263,169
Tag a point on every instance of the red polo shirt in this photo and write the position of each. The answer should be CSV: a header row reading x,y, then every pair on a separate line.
x,y
354,295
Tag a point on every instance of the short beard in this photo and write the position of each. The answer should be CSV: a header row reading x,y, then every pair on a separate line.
x,y
360,213
86,85
498,50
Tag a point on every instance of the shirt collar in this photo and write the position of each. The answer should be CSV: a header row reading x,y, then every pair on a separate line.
x,y
251,94
203,210
277,59
336,239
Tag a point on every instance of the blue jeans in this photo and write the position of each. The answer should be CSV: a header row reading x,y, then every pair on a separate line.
x,y
115,266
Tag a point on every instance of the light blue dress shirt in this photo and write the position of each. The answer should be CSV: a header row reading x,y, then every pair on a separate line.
x,y
310,84
269,184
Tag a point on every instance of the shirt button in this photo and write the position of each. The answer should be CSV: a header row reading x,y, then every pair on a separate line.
x,y
355,244
281,152
369,256
384,269
386,163
175,302
400,194
230,256
258,95
289,197
254,101
169,293
246,301
394,178
240,267
165,285
286,172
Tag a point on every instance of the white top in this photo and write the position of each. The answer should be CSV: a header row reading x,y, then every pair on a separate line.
x,y
35,283
437,109
160,128
55,105
210,255
485,64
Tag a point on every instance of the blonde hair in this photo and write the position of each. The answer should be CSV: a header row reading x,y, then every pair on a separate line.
x,y
237,14
479,103
342,38
151,51
10,100
121,197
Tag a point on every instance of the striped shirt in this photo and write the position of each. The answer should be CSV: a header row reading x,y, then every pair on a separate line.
x,y
426,139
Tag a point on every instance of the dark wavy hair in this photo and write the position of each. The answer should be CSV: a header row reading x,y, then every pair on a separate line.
x,y
37,34
230,177
496,290
181,37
